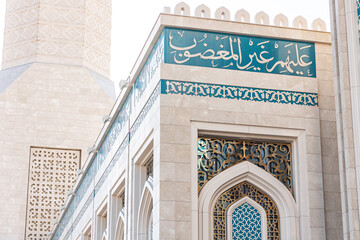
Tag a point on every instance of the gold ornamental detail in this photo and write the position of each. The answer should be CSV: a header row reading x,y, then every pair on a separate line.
x,y
217,154
236,193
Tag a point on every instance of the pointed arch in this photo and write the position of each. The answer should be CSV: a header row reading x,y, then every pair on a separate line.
x,y
253,204
104,236
235,194
318,25
182,9
242,16
300,22
145,211
248,172
202,11
262,18
120,226
222,13
281,20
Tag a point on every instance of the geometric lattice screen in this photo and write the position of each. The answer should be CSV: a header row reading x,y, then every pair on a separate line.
x,y
246,223
233,195
52,173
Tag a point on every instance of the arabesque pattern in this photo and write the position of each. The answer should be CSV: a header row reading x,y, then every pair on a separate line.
x,y
234,194
239,93
216,155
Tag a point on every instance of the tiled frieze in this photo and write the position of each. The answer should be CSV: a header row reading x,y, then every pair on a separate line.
x,y
237,52
238,93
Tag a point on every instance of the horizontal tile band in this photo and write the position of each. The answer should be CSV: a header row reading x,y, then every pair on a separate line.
x,y
238,93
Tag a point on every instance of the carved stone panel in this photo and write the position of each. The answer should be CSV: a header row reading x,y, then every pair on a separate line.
x,y
52,172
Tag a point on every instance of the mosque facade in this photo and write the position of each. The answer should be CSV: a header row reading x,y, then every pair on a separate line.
x,y
224,129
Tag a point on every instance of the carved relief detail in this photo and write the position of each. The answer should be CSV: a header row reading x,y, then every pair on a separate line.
x,y
52,173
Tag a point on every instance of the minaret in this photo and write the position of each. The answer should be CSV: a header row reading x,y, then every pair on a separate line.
x,y
54,90
65,32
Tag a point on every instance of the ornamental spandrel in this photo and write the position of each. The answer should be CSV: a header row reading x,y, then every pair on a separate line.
x,y
216,155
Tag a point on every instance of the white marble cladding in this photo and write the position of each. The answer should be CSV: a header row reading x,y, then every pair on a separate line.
x,y
345,38
131,109
169,132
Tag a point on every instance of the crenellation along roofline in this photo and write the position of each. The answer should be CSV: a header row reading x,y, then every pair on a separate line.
x,y
191,23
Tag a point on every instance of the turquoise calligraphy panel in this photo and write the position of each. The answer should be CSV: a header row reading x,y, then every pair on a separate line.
x,y
358,13
237,52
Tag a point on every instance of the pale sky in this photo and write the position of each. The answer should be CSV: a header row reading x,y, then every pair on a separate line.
x,y
133,20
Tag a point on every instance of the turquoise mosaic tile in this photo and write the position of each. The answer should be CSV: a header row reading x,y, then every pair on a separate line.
x,y
238,93
239,52
246,223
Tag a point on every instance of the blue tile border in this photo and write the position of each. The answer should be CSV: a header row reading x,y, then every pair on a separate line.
x,y
238,93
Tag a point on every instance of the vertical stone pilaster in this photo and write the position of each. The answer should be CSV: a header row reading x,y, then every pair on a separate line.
x,y
347,93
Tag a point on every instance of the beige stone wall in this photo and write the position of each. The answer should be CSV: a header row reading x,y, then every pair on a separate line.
x,y
20,33
63,31
52,173
320,202
328,134
49,106
97,35
346,51
168,130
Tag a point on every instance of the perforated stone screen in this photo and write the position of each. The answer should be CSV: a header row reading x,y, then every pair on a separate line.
x,y
52,172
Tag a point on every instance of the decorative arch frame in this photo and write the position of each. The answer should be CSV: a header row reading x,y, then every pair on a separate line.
x,y
300,160
253,204
239,173
120,226
145,211
104,236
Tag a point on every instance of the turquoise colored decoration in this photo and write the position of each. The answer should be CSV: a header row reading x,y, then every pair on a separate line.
x,y
358,13
266,55
238,93
237,52
246,223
